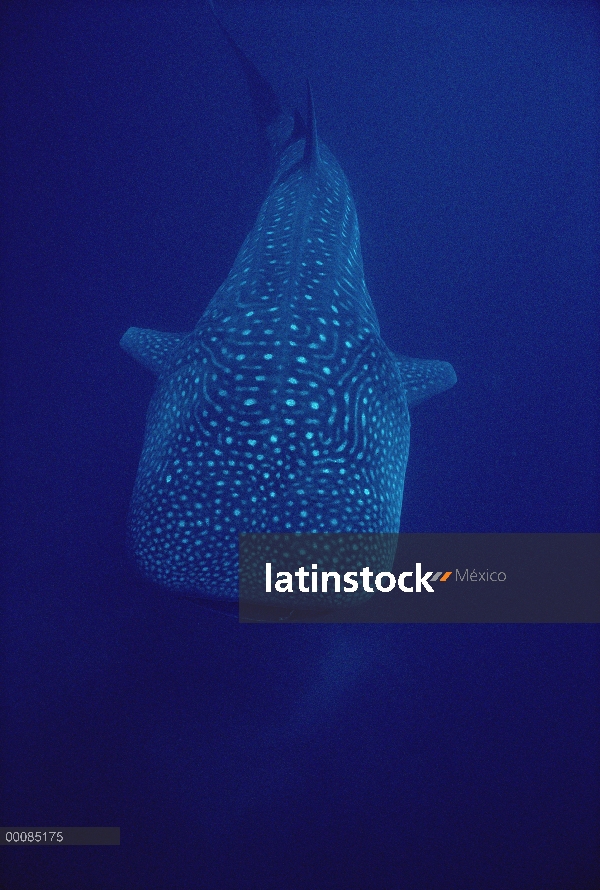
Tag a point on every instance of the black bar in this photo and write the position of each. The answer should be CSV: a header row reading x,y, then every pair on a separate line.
x,y
479,578
59,837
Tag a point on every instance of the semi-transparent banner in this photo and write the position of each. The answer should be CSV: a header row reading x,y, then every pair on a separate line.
x,y
420,578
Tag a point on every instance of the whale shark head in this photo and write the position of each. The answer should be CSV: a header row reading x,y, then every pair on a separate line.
x,y
283,410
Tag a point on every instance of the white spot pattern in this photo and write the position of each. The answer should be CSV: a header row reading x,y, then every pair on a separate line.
x,y
283,410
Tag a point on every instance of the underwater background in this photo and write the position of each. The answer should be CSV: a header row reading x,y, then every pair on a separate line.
x,y
239,756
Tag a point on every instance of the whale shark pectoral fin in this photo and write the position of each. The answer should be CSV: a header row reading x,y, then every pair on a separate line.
x,y
423,378
150,348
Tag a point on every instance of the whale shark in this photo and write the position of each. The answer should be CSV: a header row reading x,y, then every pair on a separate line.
x,y
283,410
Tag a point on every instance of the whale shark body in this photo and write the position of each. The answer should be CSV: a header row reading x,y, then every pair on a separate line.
x,y
283,410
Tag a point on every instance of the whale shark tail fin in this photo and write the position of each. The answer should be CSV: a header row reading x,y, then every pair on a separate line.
x,y
151,349
423,378
276,122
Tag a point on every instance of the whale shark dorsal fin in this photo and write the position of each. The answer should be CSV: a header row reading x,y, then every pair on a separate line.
x,y
310,156
423,378
150,348
311,145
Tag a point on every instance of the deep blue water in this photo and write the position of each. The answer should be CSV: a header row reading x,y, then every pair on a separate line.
x,y
319,756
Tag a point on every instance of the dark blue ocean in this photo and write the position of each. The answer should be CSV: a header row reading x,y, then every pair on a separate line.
x,y
454,757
